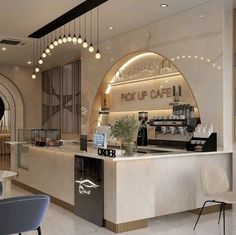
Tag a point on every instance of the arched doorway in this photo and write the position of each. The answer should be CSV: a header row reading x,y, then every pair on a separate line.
x,y
15,112
139,72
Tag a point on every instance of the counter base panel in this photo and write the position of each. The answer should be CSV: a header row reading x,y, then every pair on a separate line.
x,y
55,200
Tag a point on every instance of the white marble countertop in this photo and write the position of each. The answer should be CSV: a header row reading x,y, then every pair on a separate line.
x,y
74,150
141,156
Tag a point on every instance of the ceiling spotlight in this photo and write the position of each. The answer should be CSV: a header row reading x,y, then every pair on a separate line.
x,y
163,5
44,54
98,55
47,50
36,69
33,76
29,62
91,48
51,46
85,44
4,48
69,38
79,39
111,27
40,61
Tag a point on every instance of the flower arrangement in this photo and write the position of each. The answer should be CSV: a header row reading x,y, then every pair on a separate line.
x,y
125,129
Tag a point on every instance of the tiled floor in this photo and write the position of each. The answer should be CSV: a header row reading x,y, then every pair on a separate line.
x,y
61,222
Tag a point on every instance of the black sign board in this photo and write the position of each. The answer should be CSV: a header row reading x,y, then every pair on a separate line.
x,y
89,189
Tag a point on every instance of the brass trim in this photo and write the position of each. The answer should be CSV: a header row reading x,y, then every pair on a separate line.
x,y
125,227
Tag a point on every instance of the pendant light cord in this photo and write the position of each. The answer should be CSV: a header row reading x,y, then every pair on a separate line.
x,y
97,26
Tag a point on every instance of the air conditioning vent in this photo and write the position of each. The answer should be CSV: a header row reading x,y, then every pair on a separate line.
x,y
10,41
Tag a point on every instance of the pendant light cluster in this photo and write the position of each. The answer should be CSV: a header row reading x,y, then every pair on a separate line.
x,y
47,44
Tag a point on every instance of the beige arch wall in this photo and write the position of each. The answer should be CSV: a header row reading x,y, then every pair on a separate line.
x,y
109,76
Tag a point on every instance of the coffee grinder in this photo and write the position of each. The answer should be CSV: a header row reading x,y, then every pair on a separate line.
x,y
142,139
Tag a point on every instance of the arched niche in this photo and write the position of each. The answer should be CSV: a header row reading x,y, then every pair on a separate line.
x,y
13,99
138,72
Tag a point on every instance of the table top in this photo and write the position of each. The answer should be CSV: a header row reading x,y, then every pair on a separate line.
x,y
7,175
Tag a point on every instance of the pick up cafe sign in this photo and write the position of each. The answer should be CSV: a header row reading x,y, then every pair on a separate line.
x,y
133,96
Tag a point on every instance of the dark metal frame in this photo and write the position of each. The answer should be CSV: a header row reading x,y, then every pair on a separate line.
x,y
72,14
222,208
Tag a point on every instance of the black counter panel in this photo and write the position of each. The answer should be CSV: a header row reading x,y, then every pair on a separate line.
x,y
89,189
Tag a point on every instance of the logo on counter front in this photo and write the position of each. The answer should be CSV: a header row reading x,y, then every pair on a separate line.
x,y
85,186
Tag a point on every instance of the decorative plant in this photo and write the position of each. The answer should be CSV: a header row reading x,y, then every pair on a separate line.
x,y
125,129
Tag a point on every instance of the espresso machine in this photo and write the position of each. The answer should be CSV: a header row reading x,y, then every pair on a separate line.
x,y
174,130
142,139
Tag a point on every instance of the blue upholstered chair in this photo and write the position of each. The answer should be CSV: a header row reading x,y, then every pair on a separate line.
x,y
22,214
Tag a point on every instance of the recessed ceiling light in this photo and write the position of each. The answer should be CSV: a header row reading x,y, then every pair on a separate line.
x,y
111,27
202,16
29,62
4,48
163,5
108,48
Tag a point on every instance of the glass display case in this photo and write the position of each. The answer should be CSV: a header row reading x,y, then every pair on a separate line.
x,y
45,137
35,137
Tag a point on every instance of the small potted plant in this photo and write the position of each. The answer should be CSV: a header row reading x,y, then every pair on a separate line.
x,y
125,129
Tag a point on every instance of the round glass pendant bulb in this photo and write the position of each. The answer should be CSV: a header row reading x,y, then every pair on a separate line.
x,y
69,39
44,54
40,61
91,48
74,40
47,50
79,40
64,39
51,46
55,43
60,41
33,76
98,55
85,44
36,69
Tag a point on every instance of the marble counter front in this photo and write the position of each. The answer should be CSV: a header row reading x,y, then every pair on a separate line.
x,y
135,188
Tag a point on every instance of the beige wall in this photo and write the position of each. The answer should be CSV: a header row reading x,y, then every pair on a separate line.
x,y
30,91
180,35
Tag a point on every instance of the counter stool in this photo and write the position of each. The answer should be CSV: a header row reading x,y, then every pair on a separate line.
x,y
215,185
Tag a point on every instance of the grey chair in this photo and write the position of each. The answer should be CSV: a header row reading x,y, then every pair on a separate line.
x,y
22,214
215,185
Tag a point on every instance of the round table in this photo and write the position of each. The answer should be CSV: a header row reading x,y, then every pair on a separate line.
x,y
5,181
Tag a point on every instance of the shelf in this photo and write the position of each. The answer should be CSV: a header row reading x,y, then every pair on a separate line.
x,y
144,79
